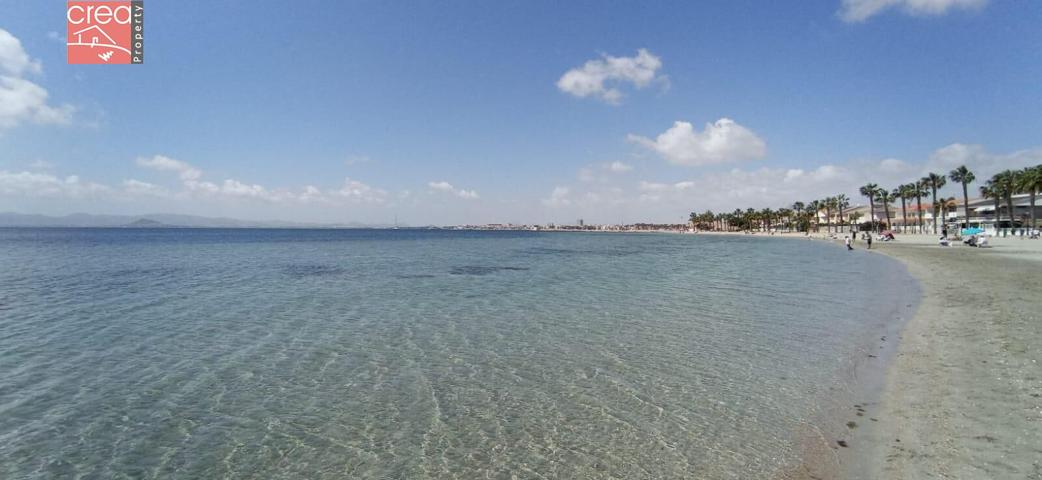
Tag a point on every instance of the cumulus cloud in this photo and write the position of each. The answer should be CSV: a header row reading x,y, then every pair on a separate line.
x,y
558,197
356,190
602,77
351,191
447,187
983,163
137,187
720,142
32,184
861,10
164,163
602,172
21,100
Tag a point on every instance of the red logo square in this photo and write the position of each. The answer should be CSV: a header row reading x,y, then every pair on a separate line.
x,y
105,32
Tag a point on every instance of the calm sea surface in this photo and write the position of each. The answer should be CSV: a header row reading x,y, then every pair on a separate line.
x,y
424,354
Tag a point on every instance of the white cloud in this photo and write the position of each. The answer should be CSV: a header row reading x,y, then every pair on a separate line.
x,y
167,164
238,189
447,187
355,190
603,172
558,197
352,191
137,187
22,100
720,142
442,186
978,159
30,184
600,78
13,59
861,10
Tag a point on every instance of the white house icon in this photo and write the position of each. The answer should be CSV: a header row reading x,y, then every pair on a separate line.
x,y
94,40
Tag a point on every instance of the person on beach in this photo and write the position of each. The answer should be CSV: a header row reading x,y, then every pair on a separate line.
x,y
846,240
944,231
869,239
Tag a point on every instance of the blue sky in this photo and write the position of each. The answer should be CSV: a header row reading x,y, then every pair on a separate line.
x,y
459,112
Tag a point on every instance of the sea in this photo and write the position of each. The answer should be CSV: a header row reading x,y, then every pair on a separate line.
x,y
430,354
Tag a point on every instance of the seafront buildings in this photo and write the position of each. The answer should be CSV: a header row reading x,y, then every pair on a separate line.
x,y
981,210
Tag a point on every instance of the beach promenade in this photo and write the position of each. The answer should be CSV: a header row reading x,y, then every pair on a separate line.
x,y
963,394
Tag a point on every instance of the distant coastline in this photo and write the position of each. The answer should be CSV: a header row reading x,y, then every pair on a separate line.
x,y
157,220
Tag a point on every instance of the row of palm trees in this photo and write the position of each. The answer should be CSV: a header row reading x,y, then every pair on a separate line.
x,y
805,216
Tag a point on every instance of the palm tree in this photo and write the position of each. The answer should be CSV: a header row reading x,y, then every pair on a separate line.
x,y
965,177
1030,181
1005,183
766,215
869,190
787,215
902,192
934,181
946,205
828,203
798,207
812,209
989,190
883,195
841,202
919,190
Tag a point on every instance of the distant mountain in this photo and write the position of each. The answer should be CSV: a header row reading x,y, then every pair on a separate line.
x,y
158,220
146,223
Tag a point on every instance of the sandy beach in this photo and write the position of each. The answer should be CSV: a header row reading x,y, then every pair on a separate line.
x,y
962,396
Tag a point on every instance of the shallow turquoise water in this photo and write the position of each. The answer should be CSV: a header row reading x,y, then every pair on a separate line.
x,y
424,354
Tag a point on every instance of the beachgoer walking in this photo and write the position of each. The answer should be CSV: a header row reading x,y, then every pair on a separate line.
x,y
847,241
869,241
944,231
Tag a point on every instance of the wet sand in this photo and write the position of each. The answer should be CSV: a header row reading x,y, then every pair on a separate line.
x,y
963,394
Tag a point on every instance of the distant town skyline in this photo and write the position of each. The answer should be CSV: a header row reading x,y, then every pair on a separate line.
x,y
527,113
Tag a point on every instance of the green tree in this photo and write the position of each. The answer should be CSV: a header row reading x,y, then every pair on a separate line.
x,y
988,190
883,195
1005,183
842,202
869,190
919,190
902,192
963,176
934,181
828,203
1030,181
812,209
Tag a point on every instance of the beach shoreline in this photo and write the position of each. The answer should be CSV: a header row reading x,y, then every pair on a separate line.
x,y
962,392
